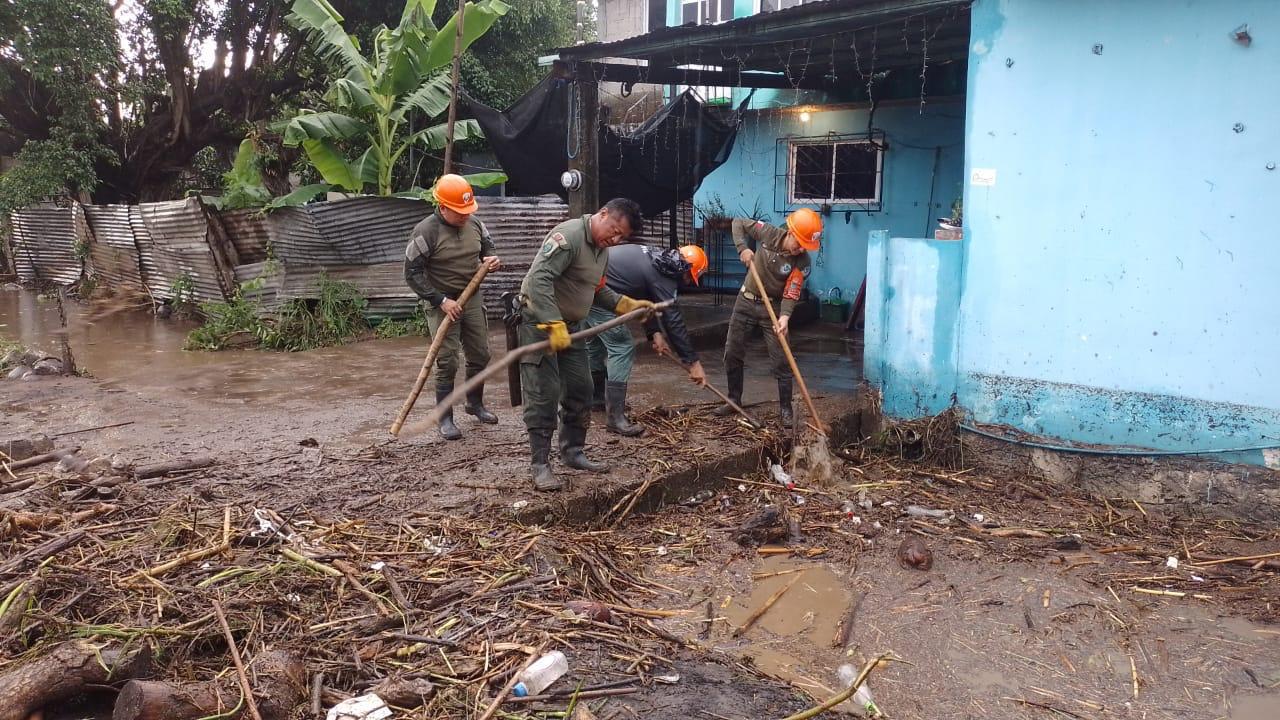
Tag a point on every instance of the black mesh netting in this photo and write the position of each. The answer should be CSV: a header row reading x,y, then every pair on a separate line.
x,y
659,165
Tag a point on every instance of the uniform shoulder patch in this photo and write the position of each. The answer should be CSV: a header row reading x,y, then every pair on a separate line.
x,y
555,241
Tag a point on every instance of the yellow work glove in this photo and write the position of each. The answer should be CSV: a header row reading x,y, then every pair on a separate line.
x,y
557,333
626,305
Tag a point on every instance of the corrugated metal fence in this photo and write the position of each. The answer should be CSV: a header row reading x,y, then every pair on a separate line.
x,y
182,246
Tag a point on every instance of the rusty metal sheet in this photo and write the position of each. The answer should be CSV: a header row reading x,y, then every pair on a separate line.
x,y
247,230
112,249
355,231
44,244
180,246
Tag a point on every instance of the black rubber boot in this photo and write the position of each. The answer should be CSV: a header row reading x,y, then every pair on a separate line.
x,y
572,441
540,464
475,406
784,403
734,391
617,422
598,382
448,430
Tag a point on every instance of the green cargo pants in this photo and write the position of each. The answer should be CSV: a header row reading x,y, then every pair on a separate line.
x,y
470,334
549,379
749,319
613,351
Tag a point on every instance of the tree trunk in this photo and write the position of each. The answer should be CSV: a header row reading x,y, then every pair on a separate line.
x,y
65,672
279,686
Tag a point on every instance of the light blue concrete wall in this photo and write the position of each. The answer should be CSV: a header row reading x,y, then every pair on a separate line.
x,y
913,299
1122,275
747,178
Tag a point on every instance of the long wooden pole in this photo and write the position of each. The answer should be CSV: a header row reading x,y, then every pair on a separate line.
x,y
433,418
737,408
436,342
453,93
786,348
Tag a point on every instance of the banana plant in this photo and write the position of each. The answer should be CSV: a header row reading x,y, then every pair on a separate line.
x,y
405,70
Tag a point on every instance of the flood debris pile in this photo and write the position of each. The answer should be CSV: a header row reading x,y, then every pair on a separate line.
x,y
432,611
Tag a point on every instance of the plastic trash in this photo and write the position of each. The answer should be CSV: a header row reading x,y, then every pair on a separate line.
x,y
541,674
365,707
924,512
861,702
781,477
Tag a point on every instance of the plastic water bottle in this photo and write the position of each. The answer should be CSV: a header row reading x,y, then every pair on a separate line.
x,y
781,477
539,676
862,700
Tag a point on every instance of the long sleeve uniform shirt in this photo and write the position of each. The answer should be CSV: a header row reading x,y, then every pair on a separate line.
x,y
441,259
783,275
631,272
567,276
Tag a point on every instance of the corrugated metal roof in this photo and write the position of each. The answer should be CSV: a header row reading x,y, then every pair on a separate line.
x,y
44,244
180,238
112,250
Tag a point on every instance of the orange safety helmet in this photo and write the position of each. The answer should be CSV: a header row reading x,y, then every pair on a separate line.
x,y
455,193
697,260
806,225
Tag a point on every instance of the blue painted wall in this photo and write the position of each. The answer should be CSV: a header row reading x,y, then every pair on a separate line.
x,y
913,299
1122,276
748,178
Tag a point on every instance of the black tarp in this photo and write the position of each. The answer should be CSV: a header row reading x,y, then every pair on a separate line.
x,y
659,165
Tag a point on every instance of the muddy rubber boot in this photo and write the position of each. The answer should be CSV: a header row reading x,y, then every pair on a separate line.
x,y
448,430
598,382
572,441
784,403
475,406
617,422
540,464
734,392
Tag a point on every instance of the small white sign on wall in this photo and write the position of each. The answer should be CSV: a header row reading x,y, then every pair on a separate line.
x,y
1271,458
983,177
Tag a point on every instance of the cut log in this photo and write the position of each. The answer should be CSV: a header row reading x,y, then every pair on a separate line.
x,y
153,700
42,458
172,466
65,672
279,686
49,548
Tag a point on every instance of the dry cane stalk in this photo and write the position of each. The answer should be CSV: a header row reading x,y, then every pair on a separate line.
x,y
235,658
767,604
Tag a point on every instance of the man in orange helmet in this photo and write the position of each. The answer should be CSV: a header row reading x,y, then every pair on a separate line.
x,y
641,272
444,252
781,257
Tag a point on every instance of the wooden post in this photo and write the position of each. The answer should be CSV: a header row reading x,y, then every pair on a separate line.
x,y
583,140
453,90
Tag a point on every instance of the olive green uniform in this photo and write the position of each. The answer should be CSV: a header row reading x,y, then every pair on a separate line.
x,y
783,276
439,263
565,279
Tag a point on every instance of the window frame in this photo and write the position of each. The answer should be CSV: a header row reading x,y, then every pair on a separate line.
x,y
706,5
794,143
760,6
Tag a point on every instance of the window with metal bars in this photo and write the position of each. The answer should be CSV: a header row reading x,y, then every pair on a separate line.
x,y
846,172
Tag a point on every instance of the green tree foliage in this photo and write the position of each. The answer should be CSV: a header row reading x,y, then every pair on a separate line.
x,y
404,71
123,99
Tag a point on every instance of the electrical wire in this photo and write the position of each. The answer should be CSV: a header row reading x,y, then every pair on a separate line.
x,y
1115,453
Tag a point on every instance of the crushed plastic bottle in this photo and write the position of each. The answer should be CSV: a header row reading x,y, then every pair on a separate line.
x,y
924,512
849,509
541,674
781,477
861,702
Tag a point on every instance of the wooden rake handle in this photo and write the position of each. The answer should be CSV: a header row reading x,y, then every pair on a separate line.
x,y
436,342
433,418
786,348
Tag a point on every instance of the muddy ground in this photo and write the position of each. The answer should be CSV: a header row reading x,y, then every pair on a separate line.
x,y
1057,603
